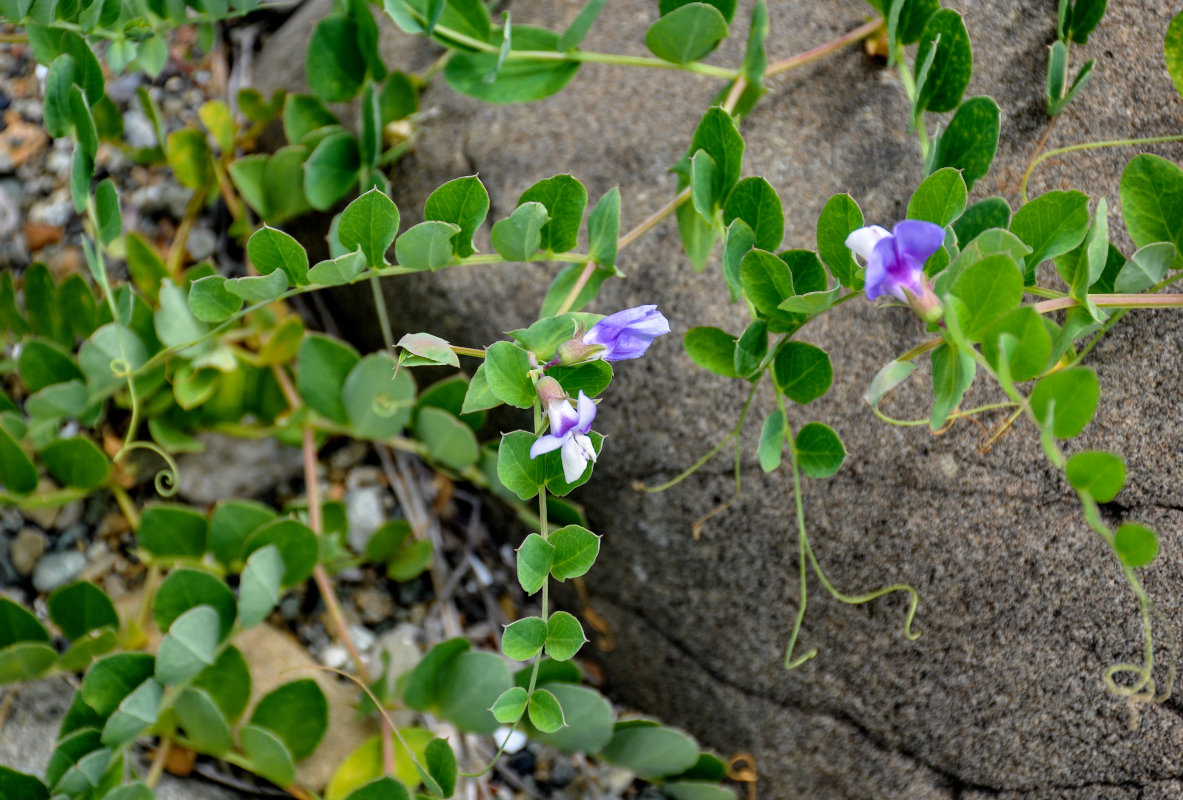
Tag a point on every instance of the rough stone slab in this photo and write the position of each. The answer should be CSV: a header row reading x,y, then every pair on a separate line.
x,y
1022,606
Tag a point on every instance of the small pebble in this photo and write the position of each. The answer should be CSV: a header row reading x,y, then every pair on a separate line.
x,y
71,515
334,657
363,507
27,549
57,569
201,244
522,761
138,130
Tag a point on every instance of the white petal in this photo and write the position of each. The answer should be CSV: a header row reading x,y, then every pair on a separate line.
x,y
584,443
863,241
574,461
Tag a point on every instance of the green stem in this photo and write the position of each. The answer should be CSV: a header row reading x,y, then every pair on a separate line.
x,y
1126,301
802,546
383,313
1059,151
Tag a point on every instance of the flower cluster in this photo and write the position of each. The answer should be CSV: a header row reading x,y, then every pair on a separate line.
x,y
617,337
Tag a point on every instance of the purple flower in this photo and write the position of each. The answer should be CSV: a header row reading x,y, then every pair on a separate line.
x,y
895,261
569,427
628,333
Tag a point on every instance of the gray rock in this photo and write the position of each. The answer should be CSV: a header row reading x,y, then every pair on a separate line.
x,y
201,243
231,467
1022,606
27,548
137,129
363,506
57,569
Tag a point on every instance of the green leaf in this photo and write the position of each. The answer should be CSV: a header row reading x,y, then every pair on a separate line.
x,y
1099,473
336,66
750,349
718,135
698,236
77,609
940,198
564,199
385,788
267,754
1145,268
296,712
564,636
545,712
580,25
441,766
271,250
506,368
993,212
1084,18
651,751
819,450
426,246
378,400
725,7
464,203
107,210
44,363
952,63
1152,203
989,289
1051,225
190,159
203,721
1069,397
840,217
25,661
1173,51
518,236
469,684
544,337
767,281
1033,343
112,678
696,790
322,365
448,440
603,227
76,462
952,374
303,114
1136,545
258,590
184,589
134,715
371,223
591,378
338,271
57,114
510,705
257,289
297,545
432,348
518,472
565,282
211,301
519,80
18,625
229,526
168,531
772,440
970,141
702,176
423,685
802,371
189,647
331,170
711,349
575,550
755,202
687,33
755,60
535,557
524,638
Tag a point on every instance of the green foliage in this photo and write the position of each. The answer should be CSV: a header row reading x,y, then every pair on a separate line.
x,y
1136,545
687,33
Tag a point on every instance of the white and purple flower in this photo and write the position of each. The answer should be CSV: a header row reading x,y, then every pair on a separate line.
x,y
895,261
617,337
569,429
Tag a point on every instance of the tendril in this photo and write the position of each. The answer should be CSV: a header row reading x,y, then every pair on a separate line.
x,y
167,480
120,368
385,407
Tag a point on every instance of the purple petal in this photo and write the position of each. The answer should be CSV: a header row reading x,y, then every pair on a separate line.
x,y
878,271
587,412
917,238
563,416
627,334
547,443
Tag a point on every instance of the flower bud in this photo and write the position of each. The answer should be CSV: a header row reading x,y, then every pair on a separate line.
x,y
576,351
550,391
926,305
